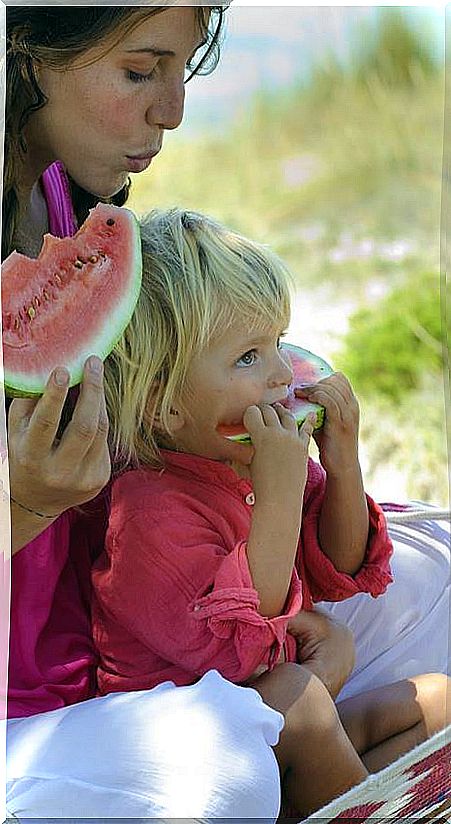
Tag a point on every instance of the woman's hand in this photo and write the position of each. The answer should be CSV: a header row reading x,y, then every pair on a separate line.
x,y
325,647
50,476
337,440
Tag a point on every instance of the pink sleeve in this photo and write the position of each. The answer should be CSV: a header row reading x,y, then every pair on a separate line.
x,y
323,581
172,585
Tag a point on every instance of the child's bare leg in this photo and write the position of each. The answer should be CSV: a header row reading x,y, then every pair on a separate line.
x,y
387,722
316,758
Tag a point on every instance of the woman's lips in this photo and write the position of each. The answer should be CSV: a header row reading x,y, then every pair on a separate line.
x,y
139,162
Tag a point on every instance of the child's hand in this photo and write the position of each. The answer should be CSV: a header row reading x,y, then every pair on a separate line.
x,y
338,439
279,464
325,647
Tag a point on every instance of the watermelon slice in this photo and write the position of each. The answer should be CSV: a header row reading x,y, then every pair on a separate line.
x,y
307,369
73,301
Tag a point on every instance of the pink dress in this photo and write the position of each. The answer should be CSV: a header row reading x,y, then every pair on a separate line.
x,y
52,658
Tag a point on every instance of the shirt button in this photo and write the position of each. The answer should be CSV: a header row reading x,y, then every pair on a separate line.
x,y
250,499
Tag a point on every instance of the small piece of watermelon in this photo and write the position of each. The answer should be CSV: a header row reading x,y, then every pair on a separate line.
x,y
307,369
73,301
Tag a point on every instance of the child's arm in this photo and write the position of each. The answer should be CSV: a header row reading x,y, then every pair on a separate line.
x,y
343,519
278,471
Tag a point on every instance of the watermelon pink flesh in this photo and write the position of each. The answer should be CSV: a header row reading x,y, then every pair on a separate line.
x,y
73,301
307,369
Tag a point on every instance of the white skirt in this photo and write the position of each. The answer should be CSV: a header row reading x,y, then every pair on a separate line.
x,y
201,752
406,631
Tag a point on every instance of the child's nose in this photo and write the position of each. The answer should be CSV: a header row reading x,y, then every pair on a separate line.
x,y
282,374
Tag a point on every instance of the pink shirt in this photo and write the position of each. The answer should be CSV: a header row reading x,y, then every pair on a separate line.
x,y
173,594
52,658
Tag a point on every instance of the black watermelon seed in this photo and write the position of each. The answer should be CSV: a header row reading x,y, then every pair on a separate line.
x,y
110,222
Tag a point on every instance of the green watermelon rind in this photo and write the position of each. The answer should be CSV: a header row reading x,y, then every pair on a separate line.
x,y
325,368
17,386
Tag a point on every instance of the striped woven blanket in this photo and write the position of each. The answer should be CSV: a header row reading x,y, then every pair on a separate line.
x,y
415,788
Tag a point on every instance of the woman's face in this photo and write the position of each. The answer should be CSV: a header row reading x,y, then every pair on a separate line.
x,y
107,119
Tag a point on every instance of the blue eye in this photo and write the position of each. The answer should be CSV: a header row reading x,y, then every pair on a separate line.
x,y
135,77
248,359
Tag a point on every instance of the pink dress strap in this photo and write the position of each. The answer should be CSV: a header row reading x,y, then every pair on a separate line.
x,y
56,189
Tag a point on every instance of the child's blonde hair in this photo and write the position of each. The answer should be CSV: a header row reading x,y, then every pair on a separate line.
x,y
198,279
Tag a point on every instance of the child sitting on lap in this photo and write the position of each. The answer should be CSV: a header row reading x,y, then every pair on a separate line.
x,y
213,547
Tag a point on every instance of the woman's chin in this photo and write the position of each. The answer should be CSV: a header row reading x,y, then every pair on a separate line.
x,y
104,189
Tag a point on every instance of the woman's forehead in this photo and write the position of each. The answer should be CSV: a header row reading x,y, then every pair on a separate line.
x,y
165,30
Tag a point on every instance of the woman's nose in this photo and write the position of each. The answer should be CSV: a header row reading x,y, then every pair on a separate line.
x,y
282,372
166,110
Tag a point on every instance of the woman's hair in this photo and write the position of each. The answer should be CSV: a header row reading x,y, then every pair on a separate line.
x,y
198,279
56,37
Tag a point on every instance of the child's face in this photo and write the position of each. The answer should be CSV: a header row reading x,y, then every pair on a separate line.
x,y
242,368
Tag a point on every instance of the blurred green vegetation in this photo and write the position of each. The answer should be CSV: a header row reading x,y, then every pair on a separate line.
x,y
391,345
393,353
341,175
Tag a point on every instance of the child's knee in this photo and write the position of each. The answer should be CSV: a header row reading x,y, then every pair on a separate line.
x,y
313,711
433,694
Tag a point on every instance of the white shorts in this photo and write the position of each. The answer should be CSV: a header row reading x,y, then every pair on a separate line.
x,y
200,752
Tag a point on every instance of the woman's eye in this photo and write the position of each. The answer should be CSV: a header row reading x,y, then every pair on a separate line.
x,y
248,359
135,77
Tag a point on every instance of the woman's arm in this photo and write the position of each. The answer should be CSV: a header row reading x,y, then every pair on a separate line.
x,y
48,476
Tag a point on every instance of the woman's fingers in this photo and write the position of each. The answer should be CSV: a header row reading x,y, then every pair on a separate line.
x,y
83,429
40,417
98,456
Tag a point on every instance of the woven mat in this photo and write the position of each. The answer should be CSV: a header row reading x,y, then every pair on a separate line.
x,y
417,788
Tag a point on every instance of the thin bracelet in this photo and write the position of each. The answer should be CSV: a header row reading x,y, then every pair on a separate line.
x,y
33,511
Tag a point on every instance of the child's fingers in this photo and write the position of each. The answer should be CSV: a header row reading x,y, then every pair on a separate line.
x,y
253,419
330,401
307,427
286,418
242,453
337,383
270,415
